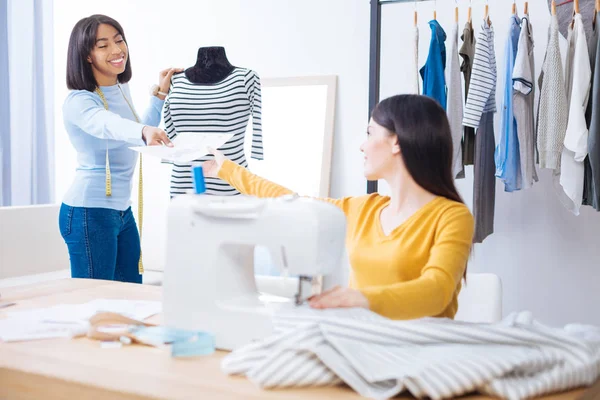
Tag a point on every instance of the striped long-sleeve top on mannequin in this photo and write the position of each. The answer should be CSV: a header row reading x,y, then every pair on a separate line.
x,y
223,107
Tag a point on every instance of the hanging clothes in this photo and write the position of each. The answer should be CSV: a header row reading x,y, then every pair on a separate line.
x,y
594,132
467,52
589,193
414,87
455,102
508,164
523,96
434,82
552,107
479,113
578,82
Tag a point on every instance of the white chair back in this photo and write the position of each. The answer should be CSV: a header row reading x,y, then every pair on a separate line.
x,y
30,241
480,300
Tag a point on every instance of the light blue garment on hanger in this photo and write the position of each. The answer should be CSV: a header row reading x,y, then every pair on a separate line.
x,y
507,157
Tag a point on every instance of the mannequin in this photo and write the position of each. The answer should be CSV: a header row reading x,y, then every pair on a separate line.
x,y
212,66
214,96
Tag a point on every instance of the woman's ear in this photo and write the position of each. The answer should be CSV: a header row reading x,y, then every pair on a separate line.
x,y
89,59
395,144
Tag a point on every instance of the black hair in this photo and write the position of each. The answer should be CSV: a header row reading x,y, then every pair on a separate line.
x,y
425,140
81,43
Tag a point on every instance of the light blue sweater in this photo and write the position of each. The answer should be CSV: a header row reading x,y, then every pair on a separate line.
x,y
92,130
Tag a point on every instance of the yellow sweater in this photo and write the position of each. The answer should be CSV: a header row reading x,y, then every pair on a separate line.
x,y
413,272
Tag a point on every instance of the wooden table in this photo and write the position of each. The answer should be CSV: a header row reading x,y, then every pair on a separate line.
x,y
81,369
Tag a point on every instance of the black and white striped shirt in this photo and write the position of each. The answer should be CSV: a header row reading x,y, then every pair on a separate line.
x,y
482,88
223,107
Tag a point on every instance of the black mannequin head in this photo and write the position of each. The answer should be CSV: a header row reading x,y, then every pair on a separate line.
x,y
212,66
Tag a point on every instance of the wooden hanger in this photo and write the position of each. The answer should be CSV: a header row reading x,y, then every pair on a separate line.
x,y
415,21
596,12
514,7
456,14
553,7
575,12
486,16
526,8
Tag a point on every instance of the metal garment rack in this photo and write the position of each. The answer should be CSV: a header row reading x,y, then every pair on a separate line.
x,y
374,58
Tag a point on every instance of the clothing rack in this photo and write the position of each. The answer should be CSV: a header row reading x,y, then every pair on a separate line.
x,y
374,58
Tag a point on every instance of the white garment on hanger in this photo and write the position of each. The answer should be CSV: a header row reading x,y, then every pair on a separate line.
x,y
578,84
455,101
552,111
414,68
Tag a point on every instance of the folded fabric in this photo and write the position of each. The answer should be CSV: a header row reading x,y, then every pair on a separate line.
x,y
517,358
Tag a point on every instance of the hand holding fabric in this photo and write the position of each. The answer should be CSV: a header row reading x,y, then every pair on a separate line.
x,y
164,79
211,168
155,136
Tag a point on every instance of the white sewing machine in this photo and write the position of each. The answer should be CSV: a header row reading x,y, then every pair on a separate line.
x,y
209,281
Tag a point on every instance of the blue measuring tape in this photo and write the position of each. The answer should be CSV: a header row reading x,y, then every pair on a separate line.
x,y
183,343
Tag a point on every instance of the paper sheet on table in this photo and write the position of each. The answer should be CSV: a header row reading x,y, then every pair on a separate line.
x,y
81,313
19,329
188,146
66,320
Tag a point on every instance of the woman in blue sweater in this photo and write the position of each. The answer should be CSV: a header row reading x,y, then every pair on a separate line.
x,y
95,219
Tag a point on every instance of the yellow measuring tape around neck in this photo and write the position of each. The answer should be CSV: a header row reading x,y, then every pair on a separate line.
x,y
140,181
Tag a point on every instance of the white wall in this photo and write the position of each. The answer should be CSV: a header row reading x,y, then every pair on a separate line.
x,y
548,259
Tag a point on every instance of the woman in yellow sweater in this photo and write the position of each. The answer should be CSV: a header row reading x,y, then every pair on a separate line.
x,y
409,251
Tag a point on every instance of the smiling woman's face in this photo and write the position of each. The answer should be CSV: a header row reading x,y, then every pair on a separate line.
x,y
109,55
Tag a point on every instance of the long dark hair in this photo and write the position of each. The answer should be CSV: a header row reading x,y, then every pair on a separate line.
x,y
81,43
423,132
425,140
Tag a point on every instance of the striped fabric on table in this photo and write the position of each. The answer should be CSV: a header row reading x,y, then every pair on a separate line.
x,y
439,358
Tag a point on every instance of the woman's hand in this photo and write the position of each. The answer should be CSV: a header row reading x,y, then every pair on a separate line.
x,y
155,136
211,168
164,79
339,297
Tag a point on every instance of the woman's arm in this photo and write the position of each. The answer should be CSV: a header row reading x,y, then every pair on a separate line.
x,y
85,110
153,112
248,183
431,293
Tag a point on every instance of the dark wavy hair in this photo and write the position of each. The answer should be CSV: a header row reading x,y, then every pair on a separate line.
x,y
425,140
81,43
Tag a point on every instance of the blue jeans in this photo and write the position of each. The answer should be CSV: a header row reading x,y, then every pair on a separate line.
x,y
102,243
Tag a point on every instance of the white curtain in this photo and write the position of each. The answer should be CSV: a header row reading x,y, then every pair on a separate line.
x,y
27,110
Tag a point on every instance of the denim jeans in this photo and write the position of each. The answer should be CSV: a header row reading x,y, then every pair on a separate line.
x,y
102,243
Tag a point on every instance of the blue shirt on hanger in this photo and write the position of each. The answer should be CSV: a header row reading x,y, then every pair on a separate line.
x,y
434,81
507,157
